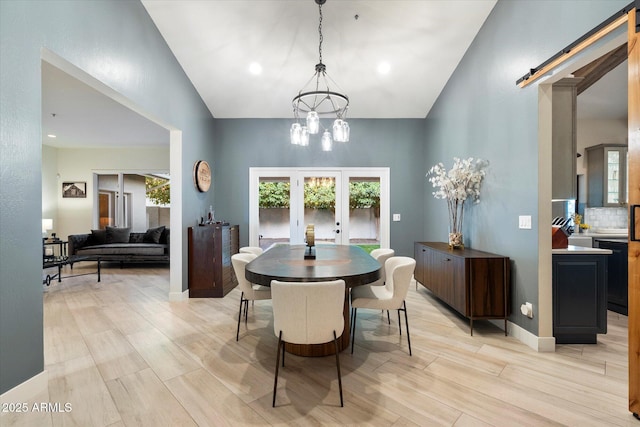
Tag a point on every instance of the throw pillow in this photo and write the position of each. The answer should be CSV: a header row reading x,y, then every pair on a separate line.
x,y
117,235
152,235
97,237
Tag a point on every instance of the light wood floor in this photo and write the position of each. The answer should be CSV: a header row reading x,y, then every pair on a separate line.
x,y
122,355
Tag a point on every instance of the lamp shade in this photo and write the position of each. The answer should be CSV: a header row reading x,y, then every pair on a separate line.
x,y
47,224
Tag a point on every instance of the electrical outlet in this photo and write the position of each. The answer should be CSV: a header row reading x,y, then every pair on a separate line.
x,y
396,217
524,222
527,309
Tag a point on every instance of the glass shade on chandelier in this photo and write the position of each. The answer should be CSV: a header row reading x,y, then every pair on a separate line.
x,y
327,142
299,135
340,131
318,99
313,122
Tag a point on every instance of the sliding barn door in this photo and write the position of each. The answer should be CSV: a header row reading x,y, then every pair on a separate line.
x,y
634,200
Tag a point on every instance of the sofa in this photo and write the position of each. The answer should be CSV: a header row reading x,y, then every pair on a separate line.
x,y
121,245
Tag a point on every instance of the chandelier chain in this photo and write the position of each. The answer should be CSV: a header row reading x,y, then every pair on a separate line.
x,y
320,33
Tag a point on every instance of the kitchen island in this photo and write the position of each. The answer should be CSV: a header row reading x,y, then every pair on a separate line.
x,y
579,294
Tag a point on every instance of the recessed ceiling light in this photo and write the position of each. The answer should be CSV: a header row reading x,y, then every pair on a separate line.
x,y
384,68
255,68
51,135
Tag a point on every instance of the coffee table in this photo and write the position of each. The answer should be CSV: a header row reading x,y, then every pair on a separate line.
x,y
60,261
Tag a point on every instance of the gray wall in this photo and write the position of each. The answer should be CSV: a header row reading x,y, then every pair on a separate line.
x,y
393,143
117,43
482,113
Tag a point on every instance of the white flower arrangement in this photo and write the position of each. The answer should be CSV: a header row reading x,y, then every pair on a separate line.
x,y
460,183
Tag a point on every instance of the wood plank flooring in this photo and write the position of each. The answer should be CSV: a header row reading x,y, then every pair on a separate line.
x,y
122,355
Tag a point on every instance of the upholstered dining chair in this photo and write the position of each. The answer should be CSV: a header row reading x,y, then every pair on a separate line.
x,y
251,250
250,292
307,313
391,296
381,255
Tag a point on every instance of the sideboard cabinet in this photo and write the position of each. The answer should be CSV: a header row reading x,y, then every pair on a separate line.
x,y
210,250
473,283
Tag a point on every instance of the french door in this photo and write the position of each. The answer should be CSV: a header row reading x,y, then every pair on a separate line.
x,y
345,205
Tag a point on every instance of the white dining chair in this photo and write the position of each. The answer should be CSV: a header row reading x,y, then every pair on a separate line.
x,y
307,313
251,250
381,255
391,296
250,292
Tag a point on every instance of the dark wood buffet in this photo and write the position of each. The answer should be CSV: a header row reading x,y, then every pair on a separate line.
x,y
210,250
476,284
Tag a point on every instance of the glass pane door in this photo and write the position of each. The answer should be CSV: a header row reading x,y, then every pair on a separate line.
x,y
274,212
320,205
283,201
364,211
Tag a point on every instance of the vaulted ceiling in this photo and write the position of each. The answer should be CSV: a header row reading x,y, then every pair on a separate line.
x,y
216,42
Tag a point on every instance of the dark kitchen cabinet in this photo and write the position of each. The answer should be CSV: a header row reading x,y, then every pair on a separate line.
x,y
618,277
607,175
579,297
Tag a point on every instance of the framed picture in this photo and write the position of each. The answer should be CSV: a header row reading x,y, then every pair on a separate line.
x,y
74,189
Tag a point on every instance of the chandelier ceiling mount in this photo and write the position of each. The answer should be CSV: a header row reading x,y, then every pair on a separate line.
x,y
320,97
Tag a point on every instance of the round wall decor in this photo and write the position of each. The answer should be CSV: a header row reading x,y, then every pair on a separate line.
x,y
202,175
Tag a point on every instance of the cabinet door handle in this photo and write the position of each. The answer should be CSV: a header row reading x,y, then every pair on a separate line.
x,y
632,226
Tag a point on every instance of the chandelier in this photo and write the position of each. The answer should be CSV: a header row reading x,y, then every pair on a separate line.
x,y
319,98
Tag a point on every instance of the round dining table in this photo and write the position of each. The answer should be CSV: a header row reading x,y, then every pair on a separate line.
x,y
287,263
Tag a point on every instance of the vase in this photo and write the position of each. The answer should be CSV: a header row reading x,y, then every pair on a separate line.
x,y
455,241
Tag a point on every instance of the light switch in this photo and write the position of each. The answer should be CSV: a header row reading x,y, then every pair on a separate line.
x,y
524,222
396,217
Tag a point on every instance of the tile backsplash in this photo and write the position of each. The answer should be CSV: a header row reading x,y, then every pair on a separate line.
x,y
606,217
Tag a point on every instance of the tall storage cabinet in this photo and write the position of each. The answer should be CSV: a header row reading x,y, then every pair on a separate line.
x,y
607,183
210,249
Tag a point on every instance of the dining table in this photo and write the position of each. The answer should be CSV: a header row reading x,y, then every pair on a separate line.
x,y
332,262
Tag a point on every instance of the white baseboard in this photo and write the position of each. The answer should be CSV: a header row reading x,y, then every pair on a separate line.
x,y
539,344
179,296
25,391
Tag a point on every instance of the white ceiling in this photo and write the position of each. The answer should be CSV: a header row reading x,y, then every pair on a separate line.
x,y
215,41
85,117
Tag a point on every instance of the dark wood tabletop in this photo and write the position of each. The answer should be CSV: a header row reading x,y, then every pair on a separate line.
x,y
286,263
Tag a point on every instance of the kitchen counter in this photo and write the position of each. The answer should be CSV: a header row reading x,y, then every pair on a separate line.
x,y
594,235
580,250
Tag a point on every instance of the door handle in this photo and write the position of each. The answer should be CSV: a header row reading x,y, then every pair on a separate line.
x,y
632,225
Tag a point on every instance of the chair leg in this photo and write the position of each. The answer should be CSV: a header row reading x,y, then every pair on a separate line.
x,y
388,318
353,327
335,342
239,316
246,311
275,379
399,324
406,321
